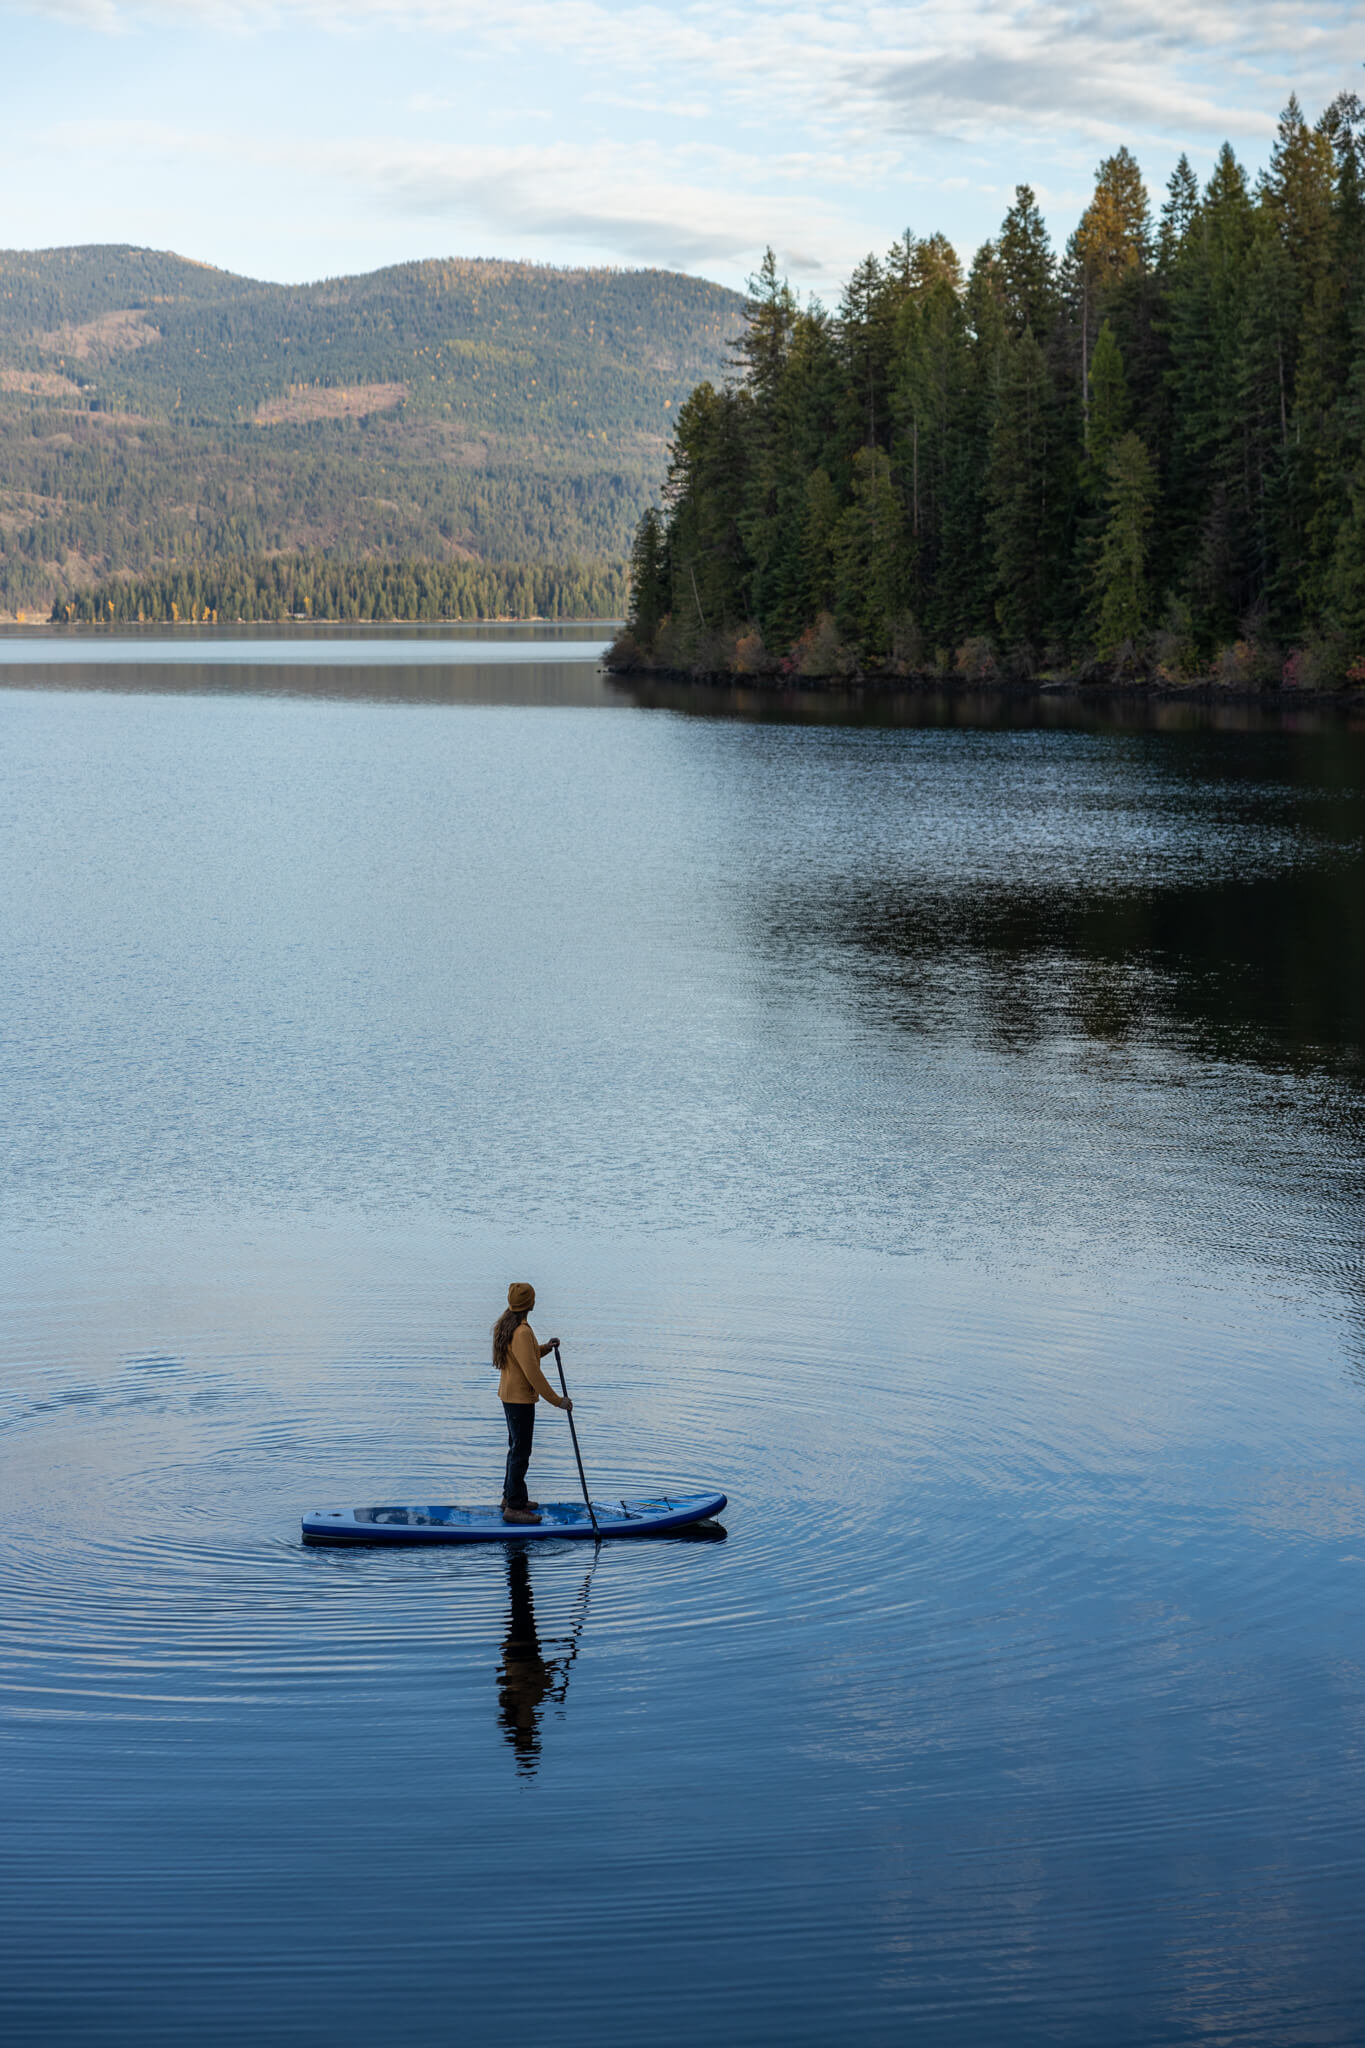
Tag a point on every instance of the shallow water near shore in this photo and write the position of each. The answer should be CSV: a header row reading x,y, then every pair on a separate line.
x,y
943,1134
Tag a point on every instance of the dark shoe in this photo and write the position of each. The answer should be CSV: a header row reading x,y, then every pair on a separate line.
x,y
530,1503
522,1515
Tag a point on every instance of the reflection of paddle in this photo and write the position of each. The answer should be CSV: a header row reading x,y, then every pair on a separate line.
x,y
582,1479
575,1632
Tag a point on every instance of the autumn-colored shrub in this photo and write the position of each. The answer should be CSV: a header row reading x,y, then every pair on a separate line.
x,y
751,657
1247,665
975,661
821,652
1324,663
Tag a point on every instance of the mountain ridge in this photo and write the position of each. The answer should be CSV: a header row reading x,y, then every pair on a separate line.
x,y
158,412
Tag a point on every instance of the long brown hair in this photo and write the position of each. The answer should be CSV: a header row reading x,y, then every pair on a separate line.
x,y
510,1319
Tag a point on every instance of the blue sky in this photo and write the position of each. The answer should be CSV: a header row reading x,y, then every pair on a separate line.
x,y
292,140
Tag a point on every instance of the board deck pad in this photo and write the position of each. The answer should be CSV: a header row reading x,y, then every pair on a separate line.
x,y
645,1517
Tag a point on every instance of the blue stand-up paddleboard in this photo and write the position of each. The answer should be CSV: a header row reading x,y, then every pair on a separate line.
x,y
653,1517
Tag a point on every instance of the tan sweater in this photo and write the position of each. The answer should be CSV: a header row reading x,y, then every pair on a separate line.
x,y
521,1379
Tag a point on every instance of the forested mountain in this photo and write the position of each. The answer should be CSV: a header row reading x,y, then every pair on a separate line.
x,y
1145,451
157,415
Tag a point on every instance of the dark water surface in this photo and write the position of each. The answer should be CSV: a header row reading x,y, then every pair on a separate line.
x,y
937,1125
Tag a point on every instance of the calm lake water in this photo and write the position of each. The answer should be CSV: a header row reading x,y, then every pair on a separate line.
x,y
937,1125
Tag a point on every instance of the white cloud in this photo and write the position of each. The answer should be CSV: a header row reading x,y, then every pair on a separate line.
x,y
603,194
104,15
636,205
934,67
686,135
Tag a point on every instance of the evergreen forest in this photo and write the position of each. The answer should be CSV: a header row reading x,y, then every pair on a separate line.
x,y
161,421
1141,454
319,586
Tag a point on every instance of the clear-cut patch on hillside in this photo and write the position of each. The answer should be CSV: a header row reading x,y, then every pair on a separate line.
x,y
304,402
38,383
109,334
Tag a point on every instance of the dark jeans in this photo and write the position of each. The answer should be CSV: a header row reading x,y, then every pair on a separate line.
x,y
521,1427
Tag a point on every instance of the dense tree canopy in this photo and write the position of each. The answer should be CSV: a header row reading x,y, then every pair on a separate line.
x,y
1149,448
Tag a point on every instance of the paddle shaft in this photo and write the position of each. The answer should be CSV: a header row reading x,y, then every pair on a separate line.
x,y
582,1476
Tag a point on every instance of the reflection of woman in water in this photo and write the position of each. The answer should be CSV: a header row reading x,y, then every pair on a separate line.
x,y
521,1383
525,1678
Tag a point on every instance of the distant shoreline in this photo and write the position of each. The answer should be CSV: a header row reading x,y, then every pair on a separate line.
x,y
120,627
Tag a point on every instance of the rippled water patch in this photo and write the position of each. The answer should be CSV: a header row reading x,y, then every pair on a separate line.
x,y
945,1141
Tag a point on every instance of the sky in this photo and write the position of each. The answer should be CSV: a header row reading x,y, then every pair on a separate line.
x,y
293,140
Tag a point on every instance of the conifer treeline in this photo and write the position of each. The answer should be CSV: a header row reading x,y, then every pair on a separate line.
x,y
1148,450
320,587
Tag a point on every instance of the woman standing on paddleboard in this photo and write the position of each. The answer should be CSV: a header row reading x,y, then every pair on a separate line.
x,y
517,1356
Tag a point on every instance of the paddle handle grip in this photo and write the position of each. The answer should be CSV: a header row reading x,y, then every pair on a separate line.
x,y
582,1476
